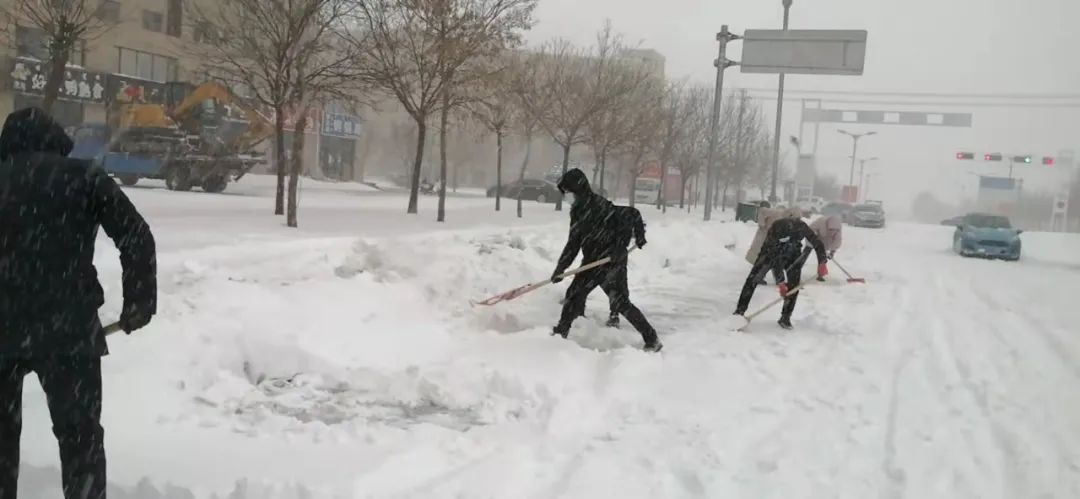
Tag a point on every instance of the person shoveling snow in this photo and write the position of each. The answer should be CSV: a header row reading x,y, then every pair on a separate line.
x,y
599,229
829,229
782,252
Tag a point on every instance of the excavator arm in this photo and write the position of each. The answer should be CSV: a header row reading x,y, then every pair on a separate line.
x,y
259,127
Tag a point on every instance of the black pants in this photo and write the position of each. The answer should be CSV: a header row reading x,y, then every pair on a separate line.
x,y
72,386
612,279
792,262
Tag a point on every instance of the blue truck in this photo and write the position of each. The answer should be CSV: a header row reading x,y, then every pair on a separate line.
x,y
193,143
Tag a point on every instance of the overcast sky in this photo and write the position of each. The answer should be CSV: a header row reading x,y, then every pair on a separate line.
x,y
951,46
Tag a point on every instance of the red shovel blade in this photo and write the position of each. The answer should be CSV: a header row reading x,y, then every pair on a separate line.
x,y
859,280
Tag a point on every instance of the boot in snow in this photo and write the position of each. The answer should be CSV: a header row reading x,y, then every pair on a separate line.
x,y
557,331
654,346
785,322
613,321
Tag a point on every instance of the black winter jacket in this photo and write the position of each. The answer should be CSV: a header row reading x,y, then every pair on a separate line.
x,y
50,210
598,228
783,245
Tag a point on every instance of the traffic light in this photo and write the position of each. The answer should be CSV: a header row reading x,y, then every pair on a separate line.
x,y
1022,159
1048,160
992,157
965,155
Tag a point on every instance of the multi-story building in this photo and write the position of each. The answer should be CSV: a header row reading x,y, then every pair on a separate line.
x,y
145,46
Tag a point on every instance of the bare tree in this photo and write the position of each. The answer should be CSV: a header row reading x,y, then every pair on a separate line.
x,y
690,150
289,55
496,109
579,85
679,108
640,134
743,126
531,101
622,83
65,24
421,45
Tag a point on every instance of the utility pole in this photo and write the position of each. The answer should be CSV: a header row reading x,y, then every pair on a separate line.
x,y
721,63
779,116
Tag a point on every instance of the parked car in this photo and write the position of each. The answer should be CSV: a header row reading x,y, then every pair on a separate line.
x,y
953,222
810,205
538,190
836,208
987,236
866,215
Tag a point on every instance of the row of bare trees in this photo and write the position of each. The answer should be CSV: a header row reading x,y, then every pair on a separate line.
x,y
446,63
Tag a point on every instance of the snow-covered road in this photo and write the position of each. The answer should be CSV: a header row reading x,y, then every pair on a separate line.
x,y
334,367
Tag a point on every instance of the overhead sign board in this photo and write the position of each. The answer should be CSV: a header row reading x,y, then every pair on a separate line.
x,y
915,118
804,51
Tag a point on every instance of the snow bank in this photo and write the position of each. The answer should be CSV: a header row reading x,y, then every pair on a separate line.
x,y
357,368
372,344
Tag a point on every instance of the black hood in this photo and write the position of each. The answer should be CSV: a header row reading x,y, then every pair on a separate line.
x,y
32,130
575,182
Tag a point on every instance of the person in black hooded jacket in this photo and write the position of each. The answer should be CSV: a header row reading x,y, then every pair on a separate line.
x,y
50,209
599,229
782,252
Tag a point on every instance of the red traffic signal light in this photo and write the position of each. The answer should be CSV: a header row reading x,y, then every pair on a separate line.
x,y
992,157
1048,160
965,155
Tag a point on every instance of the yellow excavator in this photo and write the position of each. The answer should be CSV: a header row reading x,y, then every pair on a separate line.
x,y
202,135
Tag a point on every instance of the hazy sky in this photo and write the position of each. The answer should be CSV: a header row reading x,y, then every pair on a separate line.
x,y
951,46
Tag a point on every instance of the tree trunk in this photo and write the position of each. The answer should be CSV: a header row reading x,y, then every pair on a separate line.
x,y
603,167
297,167
565,166
682,193
418,163
58,55
723,199
633,185
498,169
279,159
444,119
524,165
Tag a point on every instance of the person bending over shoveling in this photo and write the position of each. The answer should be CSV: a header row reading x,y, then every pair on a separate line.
x,y
782,253
829,229
599,230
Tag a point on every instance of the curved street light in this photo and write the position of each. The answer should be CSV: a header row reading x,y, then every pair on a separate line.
x,y
854,150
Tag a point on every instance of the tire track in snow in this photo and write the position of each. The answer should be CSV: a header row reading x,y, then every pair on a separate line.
x,y
1002,440
894,473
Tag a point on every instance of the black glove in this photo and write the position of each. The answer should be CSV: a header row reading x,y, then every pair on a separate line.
x,y
135,316
640,243
555,279
832,254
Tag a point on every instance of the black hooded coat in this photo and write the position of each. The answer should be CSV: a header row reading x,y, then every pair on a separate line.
x,y
50,209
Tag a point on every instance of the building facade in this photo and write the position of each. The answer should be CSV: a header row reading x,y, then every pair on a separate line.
x,y
144,47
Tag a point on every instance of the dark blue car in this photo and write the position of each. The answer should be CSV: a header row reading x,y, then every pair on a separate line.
x,y
987,236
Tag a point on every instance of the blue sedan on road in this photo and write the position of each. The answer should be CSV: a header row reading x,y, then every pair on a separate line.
x,y
987,236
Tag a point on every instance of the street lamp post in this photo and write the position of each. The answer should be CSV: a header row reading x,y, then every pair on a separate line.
x,y
862,173
868,179
779,115
854,149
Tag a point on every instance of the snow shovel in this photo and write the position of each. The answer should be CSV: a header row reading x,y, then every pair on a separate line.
x,y
528,288
750,318
848,274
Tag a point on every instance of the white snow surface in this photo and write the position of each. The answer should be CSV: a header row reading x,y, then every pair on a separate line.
x,y
351,364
